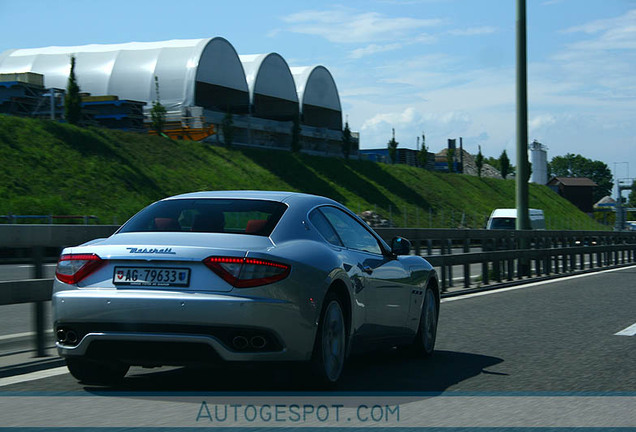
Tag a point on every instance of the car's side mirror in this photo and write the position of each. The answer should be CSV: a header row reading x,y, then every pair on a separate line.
x,y
400,246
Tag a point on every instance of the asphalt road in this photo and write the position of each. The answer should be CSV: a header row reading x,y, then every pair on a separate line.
x,y
547,337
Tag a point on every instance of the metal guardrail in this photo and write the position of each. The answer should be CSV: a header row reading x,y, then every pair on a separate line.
x,y
550,252
12,219
38,290
508,255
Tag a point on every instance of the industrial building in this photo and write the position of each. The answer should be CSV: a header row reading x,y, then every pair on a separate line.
x,y
202,79
539,160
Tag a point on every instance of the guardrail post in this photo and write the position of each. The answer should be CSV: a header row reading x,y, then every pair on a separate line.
x,y
511,262
616,253
449,246
484,263
466,266
443,270
38,307
564,257
496,264
418,250
548,257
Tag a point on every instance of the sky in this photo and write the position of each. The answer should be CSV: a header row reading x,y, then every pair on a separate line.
x,y
442,68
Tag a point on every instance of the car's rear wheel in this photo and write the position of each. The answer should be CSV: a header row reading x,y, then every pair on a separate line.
x,y
424,343
329,351
96,372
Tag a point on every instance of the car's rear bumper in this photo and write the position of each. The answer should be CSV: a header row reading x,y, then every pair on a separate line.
x,y
134,325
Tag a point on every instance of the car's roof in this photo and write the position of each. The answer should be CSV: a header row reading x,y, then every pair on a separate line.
x,y
281,196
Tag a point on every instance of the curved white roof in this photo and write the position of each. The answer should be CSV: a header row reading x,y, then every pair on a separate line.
x,y
271,85
317,92
127,70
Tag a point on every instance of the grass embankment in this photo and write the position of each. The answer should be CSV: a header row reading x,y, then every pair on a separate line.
x,y
53,168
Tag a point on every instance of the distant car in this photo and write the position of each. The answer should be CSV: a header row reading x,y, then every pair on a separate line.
x,y
252,276
506,218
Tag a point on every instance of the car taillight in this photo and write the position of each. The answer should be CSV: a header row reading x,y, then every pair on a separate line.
x,y
247,272
72,268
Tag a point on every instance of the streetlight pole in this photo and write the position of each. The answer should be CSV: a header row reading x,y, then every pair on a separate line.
x,y
523,221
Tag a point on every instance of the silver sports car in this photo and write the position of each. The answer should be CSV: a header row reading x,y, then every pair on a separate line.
x,y
240,276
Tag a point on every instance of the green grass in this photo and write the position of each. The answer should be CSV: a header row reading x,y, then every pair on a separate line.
x,y
53,168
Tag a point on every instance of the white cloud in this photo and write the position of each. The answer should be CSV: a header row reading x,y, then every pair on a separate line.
x,y
540,122
473,31
373,49
600,66
376,48
344,25
603,25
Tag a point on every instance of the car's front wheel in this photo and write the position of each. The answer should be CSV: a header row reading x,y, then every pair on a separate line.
x,y
424,343
95,372
330,348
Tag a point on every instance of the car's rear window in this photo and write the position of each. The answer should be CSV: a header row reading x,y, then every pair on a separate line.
x,y
235,216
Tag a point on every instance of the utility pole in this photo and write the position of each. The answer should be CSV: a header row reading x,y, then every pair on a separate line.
x,y
523,221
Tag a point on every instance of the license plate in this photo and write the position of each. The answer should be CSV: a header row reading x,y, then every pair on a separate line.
x,y
152,276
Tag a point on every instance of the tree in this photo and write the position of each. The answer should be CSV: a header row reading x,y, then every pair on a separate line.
x,y
422,156
504,163
72,101
493,162
295,134
157,112
450,158
572,165
228,129
346,141
479,162
392,146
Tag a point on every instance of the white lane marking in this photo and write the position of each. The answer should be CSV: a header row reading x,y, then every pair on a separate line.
x,y
21,335
629,331
33,376
528,285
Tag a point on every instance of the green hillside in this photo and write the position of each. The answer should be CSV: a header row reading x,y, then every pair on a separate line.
x,y
53,168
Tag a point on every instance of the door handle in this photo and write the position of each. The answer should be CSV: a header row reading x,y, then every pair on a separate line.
x,y
367,269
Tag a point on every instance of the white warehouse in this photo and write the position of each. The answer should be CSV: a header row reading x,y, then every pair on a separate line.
x,y
202,77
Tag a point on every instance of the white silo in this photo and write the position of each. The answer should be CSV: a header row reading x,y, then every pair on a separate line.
x,y
539,160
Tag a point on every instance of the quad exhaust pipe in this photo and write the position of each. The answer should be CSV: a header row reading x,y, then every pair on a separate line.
x,y
65,336
254,342
258,342
240,342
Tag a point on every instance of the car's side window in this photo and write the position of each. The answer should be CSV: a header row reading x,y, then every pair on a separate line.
x,y
324,227
352,234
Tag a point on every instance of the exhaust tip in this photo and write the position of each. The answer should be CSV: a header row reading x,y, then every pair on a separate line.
x,y
258,342
240,342
71,337
61,335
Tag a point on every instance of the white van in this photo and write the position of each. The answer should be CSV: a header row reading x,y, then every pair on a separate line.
x,y
506,218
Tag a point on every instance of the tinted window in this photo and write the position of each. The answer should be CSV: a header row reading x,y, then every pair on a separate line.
x,y
352,234
503,223
235,216
324,227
